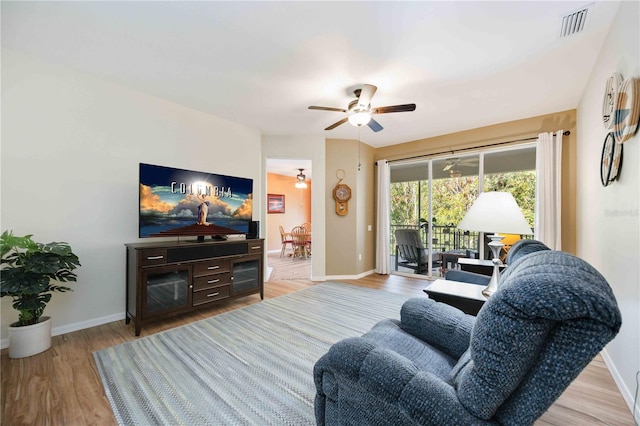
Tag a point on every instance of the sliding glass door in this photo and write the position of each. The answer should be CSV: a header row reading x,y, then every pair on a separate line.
x,y
409,210
431,197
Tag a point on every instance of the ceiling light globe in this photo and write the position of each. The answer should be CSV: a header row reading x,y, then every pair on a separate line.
x,y
359,118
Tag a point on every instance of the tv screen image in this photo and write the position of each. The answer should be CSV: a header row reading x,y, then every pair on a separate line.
x,y
176,202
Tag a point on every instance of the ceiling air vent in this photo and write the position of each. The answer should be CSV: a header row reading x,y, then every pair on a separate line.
x,y
574,22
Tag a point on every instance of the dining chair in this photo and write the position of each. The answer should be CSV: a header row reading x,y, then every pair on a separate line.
x,y
301,242
285,238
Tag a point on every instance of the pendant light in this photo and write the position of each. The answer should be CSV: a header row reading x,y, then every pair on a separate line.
x,y
301,180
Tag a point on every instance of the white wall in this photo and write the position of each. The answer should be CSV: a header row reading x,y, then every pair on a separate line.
x,y
307,148
71,145
608,219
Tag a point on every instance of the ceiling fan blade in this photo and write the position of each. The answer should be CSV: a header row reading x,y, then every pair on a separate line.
x,y
393,108
334,125
374,125
327,109
366,93
447,167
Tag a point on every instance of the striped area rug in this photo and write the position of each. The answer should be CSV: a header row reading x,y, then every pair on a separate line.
x,y
251,366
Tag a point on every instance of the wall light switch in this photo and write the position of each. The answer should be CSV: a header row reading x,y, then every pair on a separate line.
x,y
369,228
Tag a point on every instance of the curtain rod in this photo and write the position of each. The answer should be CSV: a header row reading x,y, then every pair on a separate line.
x,y
453,151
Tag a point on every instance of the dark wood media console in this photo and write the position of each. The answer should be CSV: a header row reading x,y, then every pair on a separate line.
x,y
170,278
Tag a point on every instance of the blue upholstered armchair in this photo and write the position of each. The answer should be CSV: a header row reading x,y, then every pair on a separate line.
x,y
551,315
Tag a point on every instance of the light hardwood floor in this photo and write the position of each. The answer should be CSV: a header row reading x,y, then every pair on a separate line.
x,y
288,267
62,387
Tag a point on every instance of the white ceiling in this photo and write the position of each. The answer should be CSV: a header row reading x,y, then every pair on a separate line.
x,y
261,64
289,167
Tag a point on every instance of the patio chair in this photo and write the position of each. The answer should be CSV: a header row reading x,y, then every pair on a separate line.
x,y
411,253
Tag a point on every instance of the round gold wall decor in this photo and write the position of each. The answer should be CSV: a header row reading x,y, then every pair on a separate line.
x,y
627,113
614,82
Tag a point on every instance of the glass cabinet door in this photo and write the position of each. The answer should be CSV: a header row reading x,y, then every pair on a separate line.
x,y
245,275
167,289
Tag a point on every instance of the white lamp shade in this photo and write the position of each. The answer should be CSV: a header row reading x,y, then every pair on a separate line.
x,y
495,212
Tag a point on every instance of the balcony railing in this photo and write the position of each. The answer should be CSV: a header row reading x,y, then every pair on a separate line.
x,y
444,237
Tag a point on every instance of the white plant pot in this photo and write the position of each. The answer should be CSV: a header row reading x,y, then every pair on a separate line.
x,y
31,339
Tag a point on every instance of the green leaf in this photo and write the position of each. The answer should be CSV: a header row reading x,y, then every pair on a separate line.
x,y
28,269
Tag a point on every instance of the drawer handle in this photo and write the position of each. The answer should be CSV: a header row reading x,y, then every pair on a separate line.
x,y
154,257
213,294
213,281
213,267
255,248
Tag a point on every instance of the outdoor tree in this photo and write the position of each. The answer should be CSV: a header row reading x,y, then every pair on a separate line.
x,y
452,197
522,185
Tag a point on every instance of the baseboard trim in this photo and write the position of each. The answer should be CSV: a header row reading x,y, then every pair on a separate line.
x,y
56,331
627,394
269,272
348,277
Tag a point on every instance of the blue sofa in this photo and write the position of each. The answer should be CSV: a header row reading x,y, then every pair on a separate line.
x,y
551,315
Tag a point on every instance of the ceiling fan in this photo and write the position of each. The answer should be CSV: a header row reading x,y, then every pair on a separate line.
x,y
360,111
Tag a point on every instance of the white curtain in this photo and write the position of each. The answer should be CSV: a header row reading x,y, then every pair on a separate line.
x,y
382,221
548,189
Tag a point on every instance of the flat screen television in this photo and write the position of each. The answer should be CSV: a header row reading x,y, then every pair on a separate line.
x,y
178,202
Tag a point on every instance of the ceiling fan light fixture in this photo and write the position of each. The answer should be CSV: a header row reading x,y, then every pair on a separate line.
x,y
301,180
359,118
455,173
359,111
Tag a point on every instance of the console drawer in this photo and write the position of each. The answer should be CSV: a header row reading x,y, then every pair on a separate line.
x,y
255,247
216,293
214,266
153,257
210,281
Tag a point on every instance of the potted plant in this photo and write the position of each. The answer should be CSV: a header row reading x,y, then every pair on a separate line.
x,y
26,275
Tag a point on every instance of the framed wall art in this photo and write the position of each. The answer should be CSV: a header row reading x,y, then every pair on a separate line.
x,y
275,203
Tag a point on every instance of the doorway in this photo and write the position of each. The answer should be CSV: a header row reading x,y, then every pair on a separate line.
x,y
289,186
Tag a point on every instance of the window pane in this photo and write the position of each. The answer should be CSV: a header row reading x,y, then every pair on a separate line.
x,y
455,187
408,209
513,171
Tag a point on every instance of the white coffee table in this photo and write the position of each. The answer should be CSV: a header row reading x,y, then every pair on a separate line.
x,y
464,296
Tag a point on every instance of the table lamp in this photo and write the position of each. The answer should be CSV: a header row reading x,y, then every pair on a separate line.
x,y
495,212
